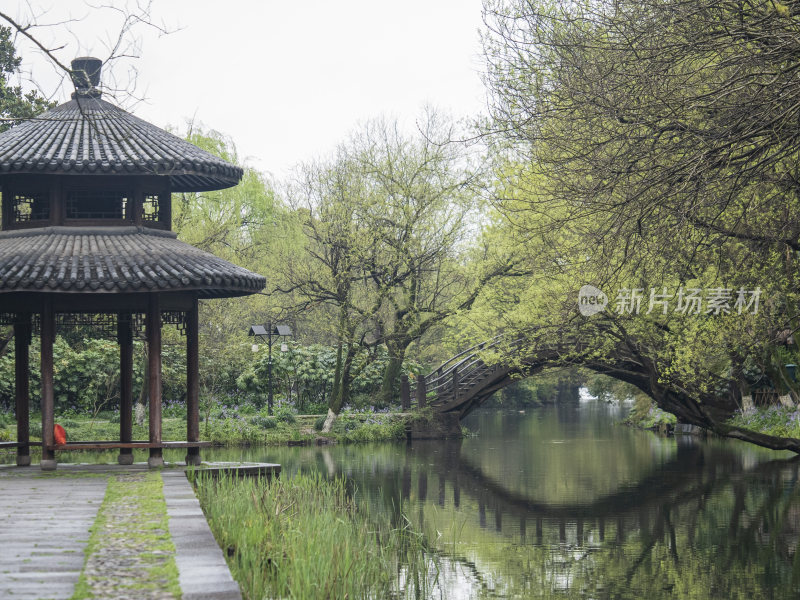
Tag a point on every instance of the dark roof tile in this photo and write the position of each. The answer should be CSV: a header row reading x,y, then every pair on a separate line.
x,y
91,135
115,259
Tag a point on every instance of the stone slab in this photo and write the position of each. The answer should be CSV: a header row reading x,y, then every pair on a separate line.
x,y
45,528
202,571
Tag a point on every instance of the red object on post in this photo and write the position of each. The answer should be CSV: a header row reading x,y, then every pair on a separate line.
x,y
59,435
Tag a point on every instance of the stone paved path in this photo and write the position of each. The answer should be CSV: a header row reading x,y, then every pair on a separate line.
x,y
131,545
44,528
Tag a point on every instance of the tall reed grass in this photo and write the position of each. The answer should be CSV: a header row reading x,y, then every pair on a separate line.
x,y
308,537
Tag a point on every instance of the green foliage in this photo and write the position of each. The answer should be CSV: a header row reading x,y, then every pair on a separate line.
x,y
307,374
597,185
86,374
285,414
379,430
545,387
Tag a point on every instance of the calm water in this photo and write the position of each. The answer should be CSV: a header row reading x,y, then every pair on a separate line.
x,y
561,502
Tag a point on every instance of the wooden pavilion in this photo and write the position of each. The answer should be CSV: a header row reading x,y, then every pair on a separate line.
x,y
86,240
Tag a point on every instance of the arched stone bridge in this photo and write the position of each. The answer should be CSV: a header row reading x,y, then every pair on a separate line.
x,y
462,383
465,381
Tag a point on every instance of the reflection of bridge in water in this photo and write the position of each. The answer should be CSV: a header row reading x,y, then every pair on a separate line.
x,y
689,479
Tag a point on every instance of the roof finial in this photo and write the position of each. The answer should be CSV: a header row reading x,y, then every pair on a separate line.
x,y
86,76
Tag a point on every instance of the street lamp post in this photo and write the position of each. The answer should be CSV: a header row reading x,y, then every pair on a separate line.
x,y
268,332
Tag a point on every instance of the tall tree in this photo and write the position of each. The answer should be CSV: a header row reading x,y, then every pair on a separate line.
x,y
651,145
654,116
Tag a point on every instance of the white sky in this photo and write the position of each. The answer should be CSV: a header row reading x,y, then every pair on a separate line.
x,y
286,80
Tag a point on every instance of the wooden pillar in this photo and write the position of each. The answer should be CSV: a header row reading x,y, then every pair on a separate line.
x,y
153,325
192,383
47,336
22,340
125,340
405,393
422,392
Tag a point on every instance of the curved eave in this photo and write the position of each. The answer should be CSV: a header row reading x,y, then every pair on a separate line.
x,y
115,260
91,136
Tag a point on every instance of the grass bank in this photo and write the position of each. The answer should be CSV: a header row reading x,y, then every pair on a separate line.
x,y
231,429
308,537
780,421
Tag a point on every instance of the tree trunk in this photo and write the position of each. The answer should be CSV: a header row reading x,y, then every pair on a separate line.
x,y
341,383
141,403
390,385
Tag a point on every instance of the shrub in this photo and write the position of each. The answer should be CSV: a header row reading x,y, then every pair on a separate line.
x,y
319,423
285,414
265,422
172,410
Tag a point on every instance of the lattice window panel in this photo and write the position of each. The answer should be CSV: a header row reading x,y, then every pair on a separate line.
x,y
176,318
151,210
97,204
31,207
8,318
101,324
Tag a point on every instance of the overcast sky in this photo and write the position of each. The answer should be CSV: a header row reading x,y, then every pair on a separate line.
x,y
286,80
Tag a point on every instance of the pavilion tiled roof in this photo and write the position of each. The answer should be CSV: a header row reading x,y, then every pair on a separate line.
x,y
90,135
115,259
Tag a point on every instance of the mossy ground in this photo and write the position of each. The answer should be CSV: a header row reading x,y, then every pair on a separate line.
x,y
130,551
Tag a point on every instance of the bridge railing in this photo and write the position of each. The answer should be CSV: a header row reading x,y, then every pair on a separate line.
x,y
454,376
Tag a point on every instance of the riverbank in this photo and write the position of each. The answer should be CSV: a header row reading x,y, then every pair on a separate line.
x,y
775,420
231,429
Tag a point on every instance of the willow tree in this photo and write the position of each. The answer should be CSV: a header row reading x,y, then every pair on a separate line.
x,y
326,271
387,223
